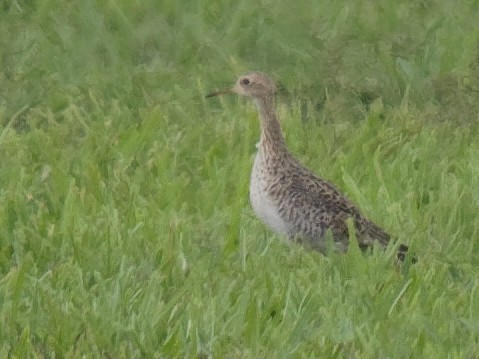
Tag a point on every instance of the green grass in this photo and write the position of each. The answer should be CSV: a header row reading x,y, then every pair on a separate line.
x,y
125,227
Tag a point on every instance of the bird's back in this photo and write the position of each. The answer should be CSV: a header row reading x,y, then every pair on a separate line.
x,y
291,199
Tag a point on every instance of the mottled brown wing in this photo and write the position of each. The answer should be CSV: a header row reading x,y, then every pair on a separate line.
x,y
323,194
339,209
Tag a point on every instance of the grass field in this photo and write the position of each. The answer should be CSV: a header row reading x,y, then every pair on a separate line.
x,y
125,226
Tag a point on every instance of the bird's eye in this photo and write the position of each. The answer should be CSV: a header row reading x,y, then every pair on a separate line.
x,y
245,81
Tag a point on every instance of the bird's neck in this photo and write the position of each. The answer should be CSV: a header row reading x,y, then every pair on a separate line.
x,y
272,140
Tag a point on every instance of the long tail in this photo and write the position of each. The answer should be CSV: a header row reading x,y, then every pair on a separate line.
x,y
374,233
402,251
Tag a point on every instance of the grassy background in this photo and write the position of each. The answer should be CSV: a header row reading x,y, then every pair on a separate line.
x,y
125,227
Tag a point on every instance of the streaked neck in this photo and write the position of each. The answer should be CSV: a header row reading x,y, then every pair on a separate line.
x,y
272,139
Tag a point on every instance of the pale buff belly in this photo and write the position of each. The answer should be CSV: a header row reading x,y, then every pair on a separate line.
x,y
263,205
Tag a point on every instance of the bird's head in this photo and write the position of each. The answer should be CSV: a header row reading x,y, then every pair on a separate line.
x,y
254,84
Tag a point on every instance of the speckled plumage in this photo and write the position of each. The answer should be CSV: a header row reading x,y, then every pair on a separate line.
x,y
290,198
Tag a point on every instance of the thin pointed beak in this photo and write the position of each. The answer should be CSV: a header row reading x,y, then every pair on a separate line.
x,y
220,92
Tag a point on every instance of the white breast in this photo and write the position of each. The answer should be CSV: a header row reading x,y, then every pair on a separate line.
x,y
262,204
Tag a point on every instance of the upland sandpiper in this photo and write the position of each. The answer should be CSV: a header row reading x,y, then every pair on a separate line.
x,y
290,198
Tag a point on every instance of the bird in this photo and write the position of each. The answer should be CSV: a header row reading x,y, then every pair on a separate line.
x,y
287,196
